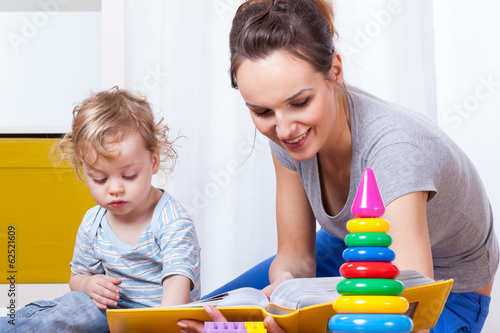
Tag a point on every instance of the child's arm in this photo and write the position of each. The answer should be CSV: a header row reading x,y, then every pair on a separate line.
x,y
176,290
102,289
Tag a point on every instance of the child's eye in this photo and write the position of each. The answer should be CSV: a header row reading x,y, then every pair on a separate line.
x,y
99,180
130,177
302,103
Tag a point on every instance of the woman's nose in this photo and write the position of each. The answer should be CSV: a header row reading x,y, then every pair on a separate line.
x,y
284,125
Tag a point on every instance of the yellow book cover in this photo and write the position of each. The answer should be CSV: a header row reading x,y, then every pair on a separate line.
x,y
299,306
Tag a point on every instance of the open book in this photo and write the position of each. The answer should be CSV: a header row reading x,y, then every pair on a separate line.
x,y
299,305
295,294
289,296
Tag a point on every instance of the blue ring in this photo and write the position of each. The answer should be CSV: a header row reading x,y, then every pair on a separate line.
x,y
369,322
369,253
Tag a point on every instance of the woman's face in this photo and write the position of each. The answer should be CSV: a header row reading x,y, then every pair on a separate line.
x,y
290,102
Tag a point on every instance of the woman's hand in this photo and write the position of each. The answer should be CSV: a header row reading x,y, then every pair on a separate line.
x,y
270,288
193,326
271,325
102,289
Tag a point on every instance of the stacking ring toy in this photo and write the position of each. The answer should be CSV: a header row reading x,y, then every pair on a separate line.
x,y
369,269
370,304
368,225
372,323
368,239
370,287
366,253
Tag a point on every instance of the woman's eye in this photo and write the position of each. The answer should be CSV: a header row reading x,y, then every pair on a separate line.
x,y
302,103
100,180
130,177
262,113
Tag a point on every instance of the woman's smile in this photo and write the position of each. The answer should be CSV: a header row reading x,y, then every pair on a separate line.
x,y
298,141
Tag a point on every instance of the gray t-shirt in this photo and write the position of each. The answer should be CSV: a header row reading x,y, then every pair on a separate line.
x,y
408,153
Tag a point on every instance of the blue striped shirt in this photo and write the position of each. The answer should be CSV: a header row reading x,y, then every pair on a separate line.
x,y
168,246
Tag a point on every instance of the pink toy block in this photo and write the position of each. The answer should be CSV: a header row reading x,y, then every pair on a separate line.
x,y
227,327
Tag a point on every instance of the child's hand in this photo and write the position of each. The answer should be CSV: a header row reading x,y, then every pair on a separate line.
x,y
103,290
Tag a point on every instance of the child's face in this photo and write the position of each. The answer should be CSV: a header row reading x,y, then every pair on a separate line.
x,y
123,184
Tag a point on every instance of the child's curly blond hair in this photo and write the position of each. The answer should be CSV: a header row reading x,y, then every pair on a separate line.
x,y
106,117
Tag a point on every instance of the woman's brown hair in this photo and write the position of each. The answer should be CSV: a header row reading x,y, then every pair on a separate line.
x,y
302,27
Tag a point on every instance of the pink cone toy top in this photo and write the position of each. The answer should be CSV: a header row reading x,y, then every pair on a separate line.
x,y
368,202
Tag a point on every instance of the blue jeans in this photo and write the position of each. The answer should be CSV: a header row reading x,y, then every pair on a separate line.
x,y
73,312
463,312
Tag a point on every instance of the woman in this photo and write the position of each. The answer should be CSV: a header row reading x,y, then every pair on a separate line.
x,y
323,133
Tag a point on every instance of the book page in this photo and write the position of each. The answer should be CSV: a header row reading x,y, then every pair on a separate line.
x,y
238,297
299,293
412,278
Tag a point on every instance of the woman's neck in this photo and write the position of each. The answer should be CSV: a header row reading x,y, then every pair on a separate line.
x,y
337,151
334,161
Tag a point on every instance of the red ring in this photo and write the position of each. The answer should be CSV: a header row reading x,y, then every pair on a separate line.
x,y
369,269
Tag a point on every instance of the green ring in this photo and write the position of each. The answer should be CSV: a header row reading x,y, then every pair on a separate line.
x,y
380,239
370,287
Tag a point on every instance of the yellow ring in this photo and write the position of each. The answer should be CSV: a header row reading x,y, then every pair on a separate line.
x,y
370,304
368,225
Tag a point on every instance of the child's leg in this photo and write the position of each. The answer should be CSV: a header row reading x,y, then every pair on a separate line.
x,y
328,261
73,312
463,312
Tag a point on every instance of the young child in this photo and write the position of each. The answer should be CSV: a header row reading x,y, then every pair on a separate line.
x,y
138,247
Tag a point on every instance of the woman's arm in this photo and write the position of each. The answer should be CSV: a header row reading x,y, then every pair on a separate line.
x,y
410,234
296,229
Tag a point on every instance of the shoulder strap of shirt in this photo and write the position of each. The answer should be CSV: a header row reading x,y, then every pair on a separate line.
x,y
156,223
96,222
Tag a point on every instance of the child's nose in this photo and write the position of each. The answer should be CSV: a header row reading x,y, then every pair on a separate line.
x,y
115,187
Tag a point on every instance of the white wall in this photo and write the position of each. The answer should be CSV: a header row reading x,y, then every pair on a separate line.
x,y
50,59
